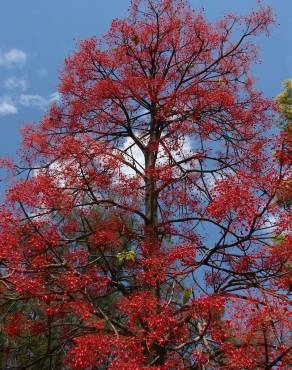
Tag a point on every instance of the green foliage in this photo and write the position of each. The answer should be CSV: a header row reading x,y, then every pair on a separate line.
x,y
284,100
126,256
187,295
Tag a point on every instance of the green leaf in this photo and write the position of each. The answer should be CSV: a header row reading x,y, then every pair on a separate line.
x,y
126,256
187,295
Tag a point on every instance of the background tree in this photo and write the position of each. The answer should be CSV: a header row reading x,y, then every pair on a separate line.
x,y
161,130
284,100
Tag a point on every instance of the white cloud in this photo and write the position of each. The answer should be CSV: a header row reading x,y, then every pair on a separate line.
x,y
13,58
14,83
55,97
35,100
7,106
134,155
10,106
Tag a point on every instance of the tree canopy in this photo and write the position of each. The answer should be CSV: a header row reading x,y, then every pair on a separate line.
x,y
143,230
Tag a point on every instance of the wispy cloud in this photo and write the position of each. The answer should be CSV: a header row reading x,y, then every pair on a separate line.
x,y
55,97
7,106
13,58
11,105
15,83
35,100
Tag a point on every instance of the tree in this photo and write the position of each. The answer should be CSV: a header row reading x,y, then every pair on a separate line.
x,y
160,130
284,100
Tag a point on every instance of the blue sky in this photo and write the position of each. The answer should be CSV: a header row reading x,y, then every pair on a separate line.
x,y
36,36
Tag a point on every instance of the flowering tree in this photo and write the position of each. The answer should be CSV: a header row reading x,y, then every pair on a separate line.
x,y
145,230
